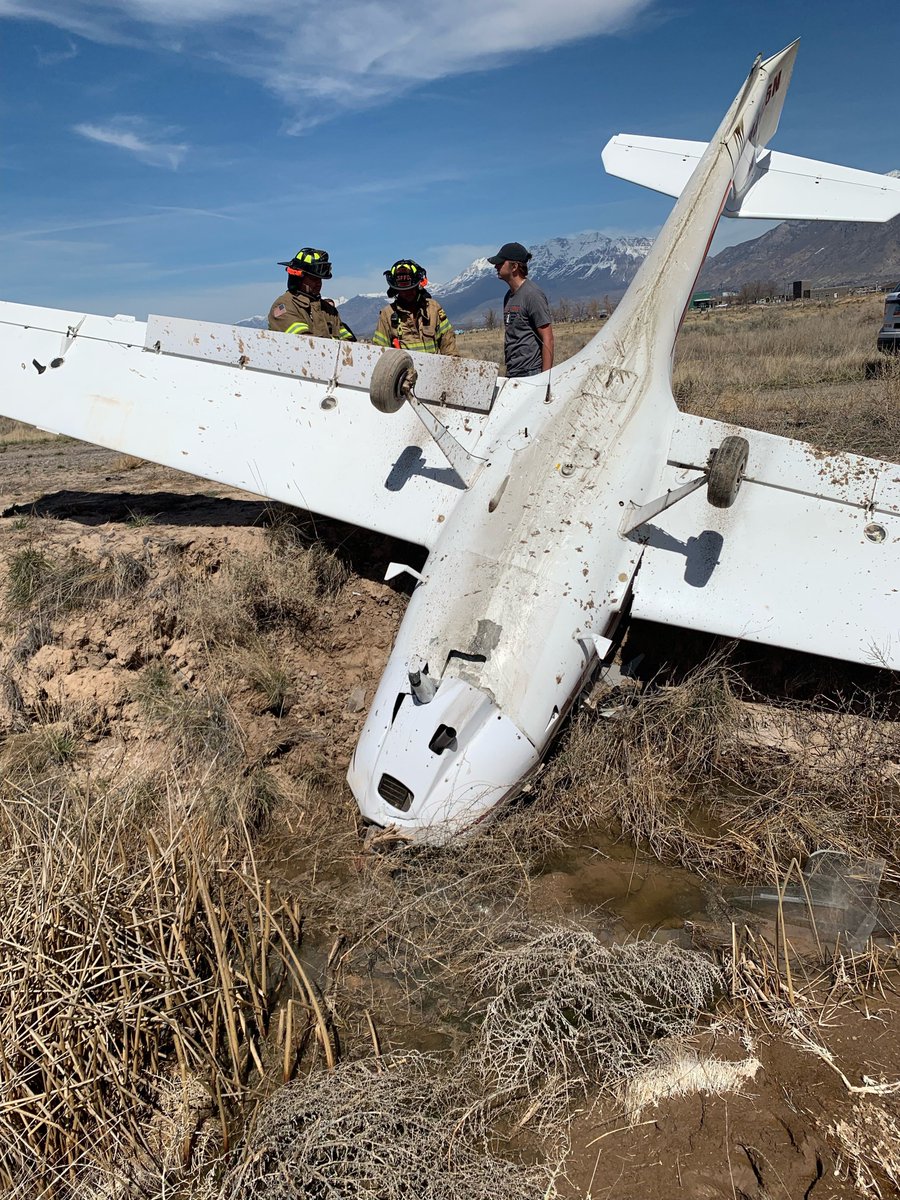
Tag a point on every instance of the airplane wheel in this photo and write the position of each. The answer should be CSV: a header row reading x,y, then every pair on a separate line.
x,y
392,380
726,471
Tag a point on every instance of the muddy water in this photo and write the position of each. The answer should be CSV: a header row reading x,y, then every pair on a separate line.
x,y
599,873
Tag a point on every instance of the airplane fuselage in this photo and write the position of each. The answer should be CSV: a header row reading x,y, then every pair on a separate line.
x,y
521,591
517,599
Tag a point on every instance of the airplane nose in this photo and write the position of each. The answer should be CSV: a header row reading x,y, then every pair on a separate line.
x,y
438,768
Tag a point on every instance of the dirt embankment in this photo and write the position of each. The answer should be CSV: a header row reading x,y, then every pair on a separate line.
x,y
132,566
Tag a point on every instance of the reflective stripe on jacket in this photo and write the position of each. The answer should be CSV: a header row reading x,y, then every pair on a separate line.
x,y
295,312
426,328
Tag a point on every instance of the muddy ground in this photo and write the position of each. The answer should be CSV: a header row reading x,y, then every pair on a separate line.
x,y
779,1137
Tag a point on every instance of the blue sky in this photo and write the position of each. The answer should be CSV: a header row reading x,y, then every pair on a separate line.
x,y
163,155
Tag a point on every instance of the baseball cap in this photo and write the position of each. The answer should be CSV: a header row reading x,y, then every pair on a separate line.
x,y
510,252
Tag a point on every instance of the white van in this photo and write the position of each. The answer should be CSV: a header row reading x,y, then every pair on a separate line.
x,y
889,335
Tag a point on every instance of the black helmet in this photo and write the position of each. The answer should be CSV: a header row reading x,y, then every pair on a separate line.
x,y
404,274
309,262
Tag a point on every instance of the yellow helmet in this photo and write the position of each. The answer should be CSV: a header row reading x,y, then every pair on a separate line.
x,y
404,274
309,262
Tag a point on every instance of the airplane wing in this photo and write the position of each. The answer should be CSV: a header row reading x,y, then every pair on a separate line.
x,y
285,417
808,556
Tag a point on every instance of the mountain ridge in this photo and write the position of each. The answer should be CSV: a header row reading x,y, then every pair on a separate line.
x,y
821,253
584,266
591,265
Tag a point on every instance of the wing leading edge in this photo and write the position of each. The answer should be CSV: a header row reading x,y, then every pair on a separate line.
x,y
807,558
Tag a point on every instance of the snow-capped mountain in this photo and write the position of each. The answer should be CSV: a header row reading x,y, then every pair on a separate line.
x,y
585,266
561,261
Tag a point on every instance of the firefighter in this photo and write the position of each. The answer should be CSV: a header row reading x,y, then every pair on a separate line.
x,y
302,309
413,320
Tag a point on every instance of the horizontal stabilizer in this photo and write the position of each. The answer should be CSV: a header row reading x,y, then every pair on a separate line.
x,y
781,187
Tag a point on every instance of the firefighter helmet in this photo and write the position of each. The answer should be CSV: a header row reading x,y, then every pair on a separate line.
x,y
406,273
309,262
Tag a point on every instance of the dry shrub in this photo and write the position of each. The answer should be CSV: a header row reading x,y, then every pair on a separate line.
x,y
52,587
197,722
265,668
424,913
126,462
691,772
642,766
242,800
36,751
204,749
128,968
567,1013
280,585
32,634
382,1128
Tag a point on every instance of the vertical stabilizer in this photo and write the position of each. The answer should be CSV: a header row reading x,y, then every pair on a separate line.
x,y
779,68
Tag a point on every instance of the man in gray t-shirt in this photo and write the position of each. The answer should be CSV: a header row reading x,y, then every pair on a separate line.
x,y
527,331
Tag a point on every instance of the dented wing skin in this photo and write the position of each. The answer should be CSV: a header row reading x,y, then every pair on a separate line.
x,y
530,574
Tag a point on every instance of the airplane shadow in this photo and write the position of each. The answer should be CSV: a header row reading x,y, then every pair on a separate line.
x,y
364,552
701,553
164,508
660,654
412,463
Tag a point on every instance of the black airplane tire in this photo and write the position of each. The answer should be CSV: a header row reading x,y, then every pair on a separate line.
x,y
391,380
726,471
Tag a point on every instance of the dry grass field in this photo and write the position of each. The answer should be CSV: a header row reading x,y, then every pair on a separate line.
x,y
806,370
209,988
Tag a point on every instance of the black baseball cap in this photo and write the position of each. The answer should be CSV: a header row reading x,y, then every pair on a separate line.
x,y
511,252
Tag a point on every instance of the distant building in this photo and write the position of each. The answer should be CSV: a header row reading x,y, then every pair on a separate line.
x,y
802,289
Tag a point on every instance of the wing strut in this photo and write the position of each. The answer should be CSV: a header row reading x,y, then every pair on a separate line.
x,y
723,477
393,384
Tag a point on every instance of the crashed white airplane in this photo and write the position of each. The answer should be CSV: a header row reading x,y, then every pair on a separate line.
x,y
549,506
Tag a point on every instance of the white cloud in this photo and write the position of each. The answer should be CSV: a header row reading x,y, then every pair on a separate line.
x,y
345,54
159,212
52,58
135,135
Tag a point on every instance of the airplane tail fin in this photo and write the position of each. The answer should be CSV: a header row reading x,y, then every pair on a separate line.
x,y
781,186
779,68
766,184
